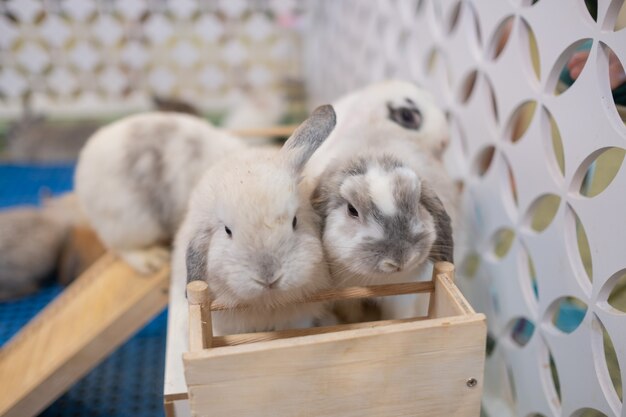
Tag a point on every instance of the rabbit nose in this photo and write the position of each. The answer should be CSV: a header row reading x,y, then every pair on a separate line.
x,y
273,282
268,281
390,265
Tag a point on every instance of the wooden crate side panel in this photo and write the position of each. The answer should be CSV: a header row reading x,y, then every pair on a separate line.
x,y
401,370
447,300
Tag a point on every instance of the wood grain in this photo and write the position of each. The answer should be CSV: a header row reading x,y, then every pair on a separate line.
x,y
94,315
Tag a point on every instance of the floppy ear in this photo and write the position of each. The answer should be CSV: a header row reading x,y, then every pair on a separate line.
x,y
308,137
443,248
197,256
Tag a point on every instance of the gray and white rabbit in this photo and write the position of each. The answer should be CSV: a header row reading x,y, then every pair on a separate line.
x,y
134,178
381,222
31,240
251,234
399,120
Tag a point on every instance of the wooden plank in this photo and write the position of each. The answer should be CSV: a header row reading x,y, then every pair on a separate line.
x,y
200,327
404,369
348,293
243,338
93,316
447,300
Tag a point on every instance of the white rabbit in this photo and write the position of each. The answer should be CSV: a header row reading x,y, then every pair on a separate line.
x,y
251,235
381,114
381,222
134,178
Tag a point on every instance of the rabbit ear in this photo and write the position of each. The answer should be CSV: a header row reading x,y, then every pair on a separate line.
x,y
308,137
197,255
443,247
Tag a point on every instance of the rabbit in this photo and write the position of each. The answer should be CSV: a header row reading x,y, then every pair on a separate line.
x,y
31,239
134,178
381,221
252,236
390,111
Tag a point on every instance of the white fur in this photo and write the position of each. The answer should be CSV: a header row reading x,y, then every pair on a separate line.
x,y
255,195
110,202
363,122
381,191
363,128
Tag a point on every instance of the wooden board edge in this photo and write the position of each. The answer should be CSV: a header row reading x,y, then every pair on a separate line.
x,y
189,357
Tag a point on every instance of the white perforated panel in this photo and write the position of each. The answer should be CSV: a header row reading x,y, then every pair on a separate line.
x,y
511,171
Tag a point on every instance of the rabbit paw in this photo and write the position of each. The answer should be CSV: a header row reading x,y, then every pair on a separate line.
x,y
146,261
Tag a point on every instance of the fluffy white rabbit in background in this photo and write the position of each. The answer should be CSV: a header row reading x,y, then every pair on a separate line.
x,y
134,178
251,235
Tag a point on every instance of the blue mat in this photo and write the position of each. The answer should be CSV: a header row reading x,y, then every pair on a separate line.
x,y
130,381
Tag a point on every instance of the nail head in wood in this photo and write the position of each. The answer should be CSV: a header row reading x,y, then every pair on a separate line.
x,y
471,382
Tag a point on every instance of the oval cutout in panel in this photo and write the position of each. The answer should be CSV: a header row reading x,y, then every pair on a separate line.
x,y
470,265
616,79
592,8
501,38
533,49
611,362
467,87
569,66
502,242
619,16
522,331
483,160
601,171
520,120
542,212
512,185
588,412
491,345
527,270
617,295
577,243
555,146
554,374
567,313
452,19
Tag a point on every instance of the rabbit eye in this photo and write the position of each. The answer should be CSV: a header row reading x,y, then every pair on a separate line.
x,y
294,222
407,117
352,211
228,231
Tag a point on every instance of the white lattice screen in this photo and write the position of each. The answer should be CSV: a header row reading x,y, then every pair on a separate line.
x,y
520,148
94,56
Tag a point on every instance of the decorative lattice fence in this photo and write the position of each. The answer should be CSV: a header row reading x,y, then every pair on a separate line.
x,y
539,158
98,56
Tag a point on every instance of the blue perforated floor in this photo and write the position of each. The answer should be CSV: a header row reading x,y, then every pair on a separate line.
x,y
129,382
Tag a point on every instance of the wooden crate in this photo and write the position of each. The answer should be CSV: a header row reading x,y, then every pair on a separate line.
x,y
427,366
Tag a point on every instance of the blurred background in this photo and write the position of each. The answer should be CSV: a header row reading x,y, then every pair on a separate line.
x,y
68,66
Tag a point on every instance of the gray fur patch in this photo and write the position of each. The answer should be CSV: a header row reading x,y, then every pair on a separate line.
x,y
145,166
309,136
197,256
268,265
443,248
